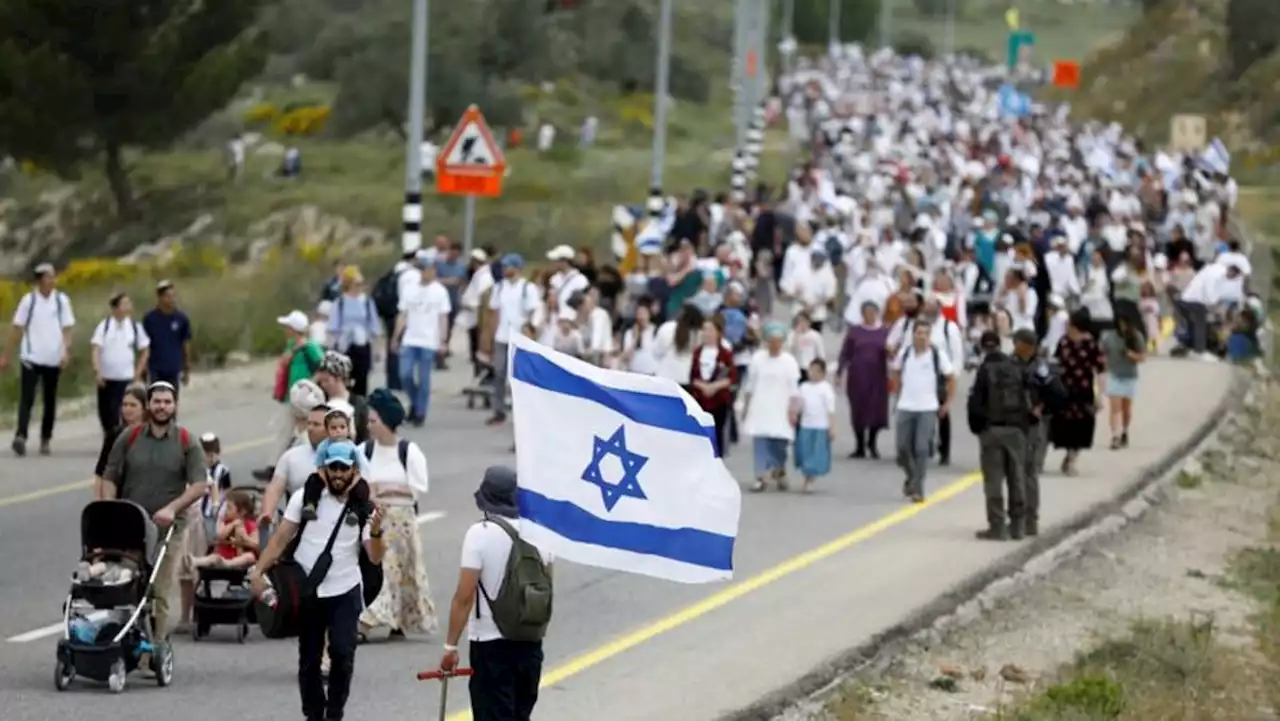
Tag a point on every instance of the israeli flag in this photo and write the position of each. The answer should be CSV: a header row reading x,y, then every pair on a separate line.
x,y
1216,158
619,470
649,241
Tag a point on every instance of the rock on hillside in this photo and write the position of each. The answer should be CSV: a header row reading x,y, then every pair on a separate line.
x,y
46,230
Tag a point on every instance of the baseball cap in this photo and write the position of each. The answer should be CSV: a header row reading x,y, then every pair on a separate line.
x,y
561,252
296,321
339,453
1025,336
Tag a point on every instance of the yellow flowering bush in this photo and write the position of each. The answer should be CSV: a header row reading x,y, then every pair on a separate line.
x,y
262,113
636,112
302,121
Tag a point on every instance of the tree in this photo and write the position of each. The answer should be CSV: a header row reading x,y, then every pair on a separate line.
x,y
1251,32
85,79
858,20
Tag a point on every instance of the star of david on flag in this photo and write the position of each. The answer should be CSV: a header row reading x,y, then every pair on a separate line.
x,y
616,446
619,470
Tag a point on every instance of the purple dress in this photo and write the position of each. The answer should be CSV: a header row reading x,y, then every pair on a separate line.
x,y
865,364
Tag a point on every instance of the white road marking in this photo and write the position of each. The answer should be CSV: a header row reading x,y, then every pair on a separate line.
x,y
430,516
56,628
51,630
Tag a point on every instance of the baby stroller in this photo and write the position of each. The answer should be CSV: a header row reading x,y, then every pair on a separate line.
x,y
107,618
234,605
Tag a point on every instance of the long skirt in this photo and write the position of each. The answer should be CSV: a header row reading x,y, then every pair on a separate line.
x,y
770,455
813,452
405,601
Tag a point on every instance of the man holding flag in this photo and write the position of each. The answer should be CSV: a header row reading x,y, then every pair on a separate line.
x,y
630,478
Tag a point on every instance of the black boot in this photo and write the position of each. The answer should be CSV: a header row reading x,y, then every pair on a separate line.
x,y
872,450
994,533
1031,527
860,436
1016,530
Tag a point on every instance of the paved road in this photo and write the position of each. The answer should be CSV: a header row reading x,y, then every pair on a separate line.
x,y
816,574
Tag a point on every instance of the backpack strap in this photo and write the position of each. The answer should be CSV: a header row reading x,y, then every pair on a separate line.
x,y
134,433
515,538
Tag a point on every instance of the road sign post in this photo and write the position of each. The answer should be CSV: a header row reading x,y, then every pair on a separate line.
x,y
471,164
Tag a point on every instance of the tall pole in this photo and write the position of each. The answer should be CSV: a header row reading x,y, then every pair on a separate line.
x,y
886,23
660,95
762,52
950,48
741,80
411,238
788,23
833,24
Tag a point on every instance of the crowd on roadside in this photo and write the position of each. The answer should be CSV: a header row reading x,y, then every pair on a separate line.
x,y
928,233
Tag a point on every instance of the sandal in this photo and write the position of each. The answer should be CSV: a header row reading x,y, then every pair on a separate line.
x,y
758,486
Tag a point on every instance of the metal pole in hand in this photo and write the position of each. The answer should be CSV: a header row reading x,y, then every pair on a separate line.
x,y
469,226
411,239
660,95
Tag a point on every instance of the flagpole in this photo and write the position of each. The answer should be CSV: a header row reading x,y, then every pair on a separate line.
x,y
660,95
411,236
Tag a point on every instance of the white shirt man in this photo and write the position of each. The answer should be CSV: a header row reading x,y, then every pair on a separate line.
x,y
810,286
1021,302
120,345
42,325
425,311
1061,267
918,370
568,280
517,302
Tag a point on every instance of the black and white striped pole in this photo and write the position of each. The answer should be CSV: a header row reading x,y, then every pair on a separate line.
x,y
411,237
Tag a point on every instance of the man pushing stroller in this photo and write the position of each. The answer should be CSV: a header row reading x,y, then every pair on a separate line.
x,y
158,466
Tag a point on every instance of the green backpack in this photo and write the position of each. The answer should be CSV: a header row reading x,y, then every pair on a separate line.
x,y
522,608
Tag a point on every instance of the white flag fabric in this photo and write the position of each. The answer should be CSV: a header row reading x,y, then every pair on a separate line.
x,y
619,470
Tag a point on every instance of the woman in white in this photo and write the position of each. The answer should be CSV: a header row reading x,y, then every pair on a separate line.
x,y
773,380
674,343
1096,293
638,342
397,475
597,328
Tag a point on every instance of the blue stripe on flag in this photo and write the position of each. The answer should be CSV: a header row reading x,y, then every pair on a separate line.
x,y
687,545
650,409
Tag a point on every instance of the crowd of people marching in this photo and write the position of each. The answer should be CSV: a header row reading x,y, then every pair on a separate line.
x,y
928,234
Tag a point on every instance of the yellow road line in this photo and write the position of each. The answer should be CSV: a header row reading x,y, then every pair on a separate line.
x,y
595,657
21,498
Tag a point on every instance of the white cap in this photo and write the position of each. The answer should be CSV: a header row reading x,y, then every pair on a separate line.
x,y
296,321
325,308
479,254
341,406
561,252
569,316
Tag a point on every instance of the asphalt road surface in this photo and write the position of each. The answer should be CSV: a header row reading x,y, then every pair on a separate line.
x,y
814,574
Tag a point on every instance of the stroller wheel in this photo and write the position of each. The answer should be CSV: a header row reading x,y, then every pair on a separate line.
x,y
115,679
63,674
162,663
241,632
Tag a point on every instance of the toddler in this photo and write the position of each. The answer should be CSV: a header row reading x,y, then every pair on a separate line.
x,y
337,426
816,424
236,544
217,476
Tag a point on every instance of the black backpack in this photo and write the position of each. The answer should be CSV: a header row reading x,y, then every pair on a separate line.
x,y
386,293
1008,402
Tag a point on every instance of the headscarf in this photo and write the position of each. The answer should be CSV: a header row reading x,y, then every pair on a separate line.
x,y
388,407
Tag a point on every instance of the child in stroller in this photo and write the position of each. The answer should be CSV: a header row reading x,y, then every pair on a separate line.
x,y
107,616
227,562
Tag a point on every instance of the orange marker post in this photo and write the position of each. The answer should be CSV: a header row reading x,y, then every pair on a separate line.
x,y
1066,74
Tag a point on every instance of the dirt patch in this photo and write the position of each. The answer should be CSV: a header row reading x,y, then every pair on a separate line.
x,y
1177,617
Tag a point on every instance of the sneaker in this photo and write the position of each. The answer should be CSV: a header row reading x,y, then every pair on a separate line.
x,y
19,446
1124,439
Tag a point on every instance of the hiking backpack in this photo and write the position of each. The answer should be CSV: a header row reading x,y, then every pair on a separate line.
x,y
1008,402
522,608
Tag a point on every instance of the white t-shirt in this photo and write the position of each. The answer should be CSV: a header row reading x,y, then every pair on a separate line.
x,y
642,358
485,548
41,319
566,284
806,347
385,467
344,573
918,386
295,466
772,382
672,363
119,341
818,402
424,307
516,301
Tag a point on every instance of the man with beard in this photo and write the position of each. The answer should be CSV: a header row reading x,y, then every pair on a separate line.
x,y
342,529
158,467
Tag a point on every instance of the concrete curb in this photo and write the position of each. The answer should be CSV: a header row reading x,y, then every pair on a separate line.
x,y
965,602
